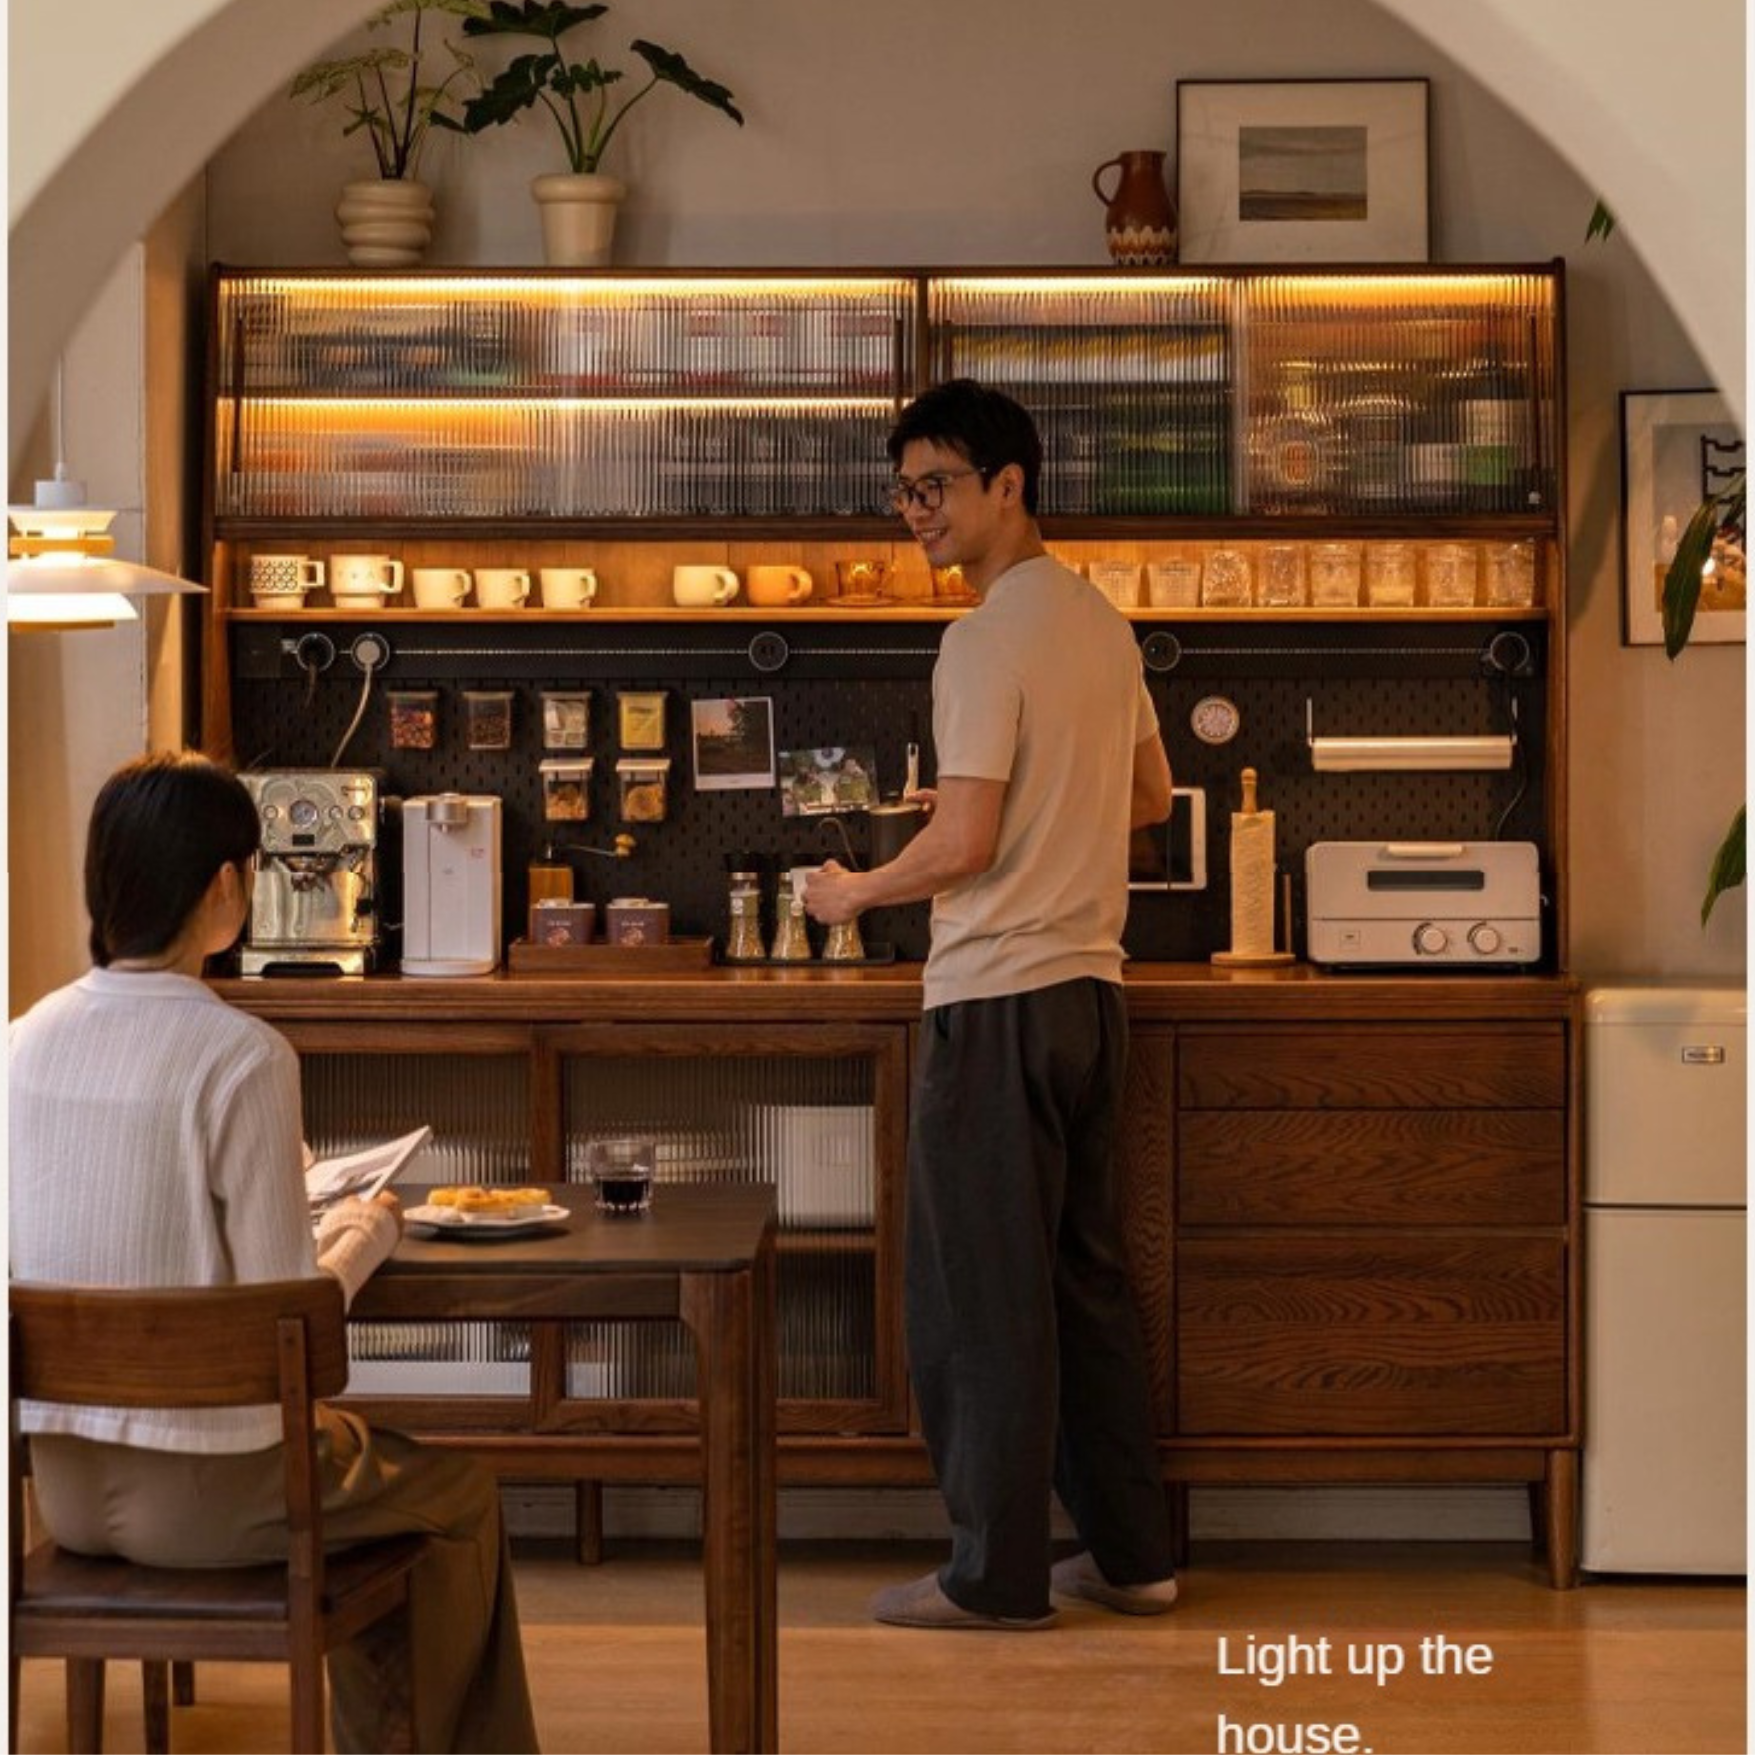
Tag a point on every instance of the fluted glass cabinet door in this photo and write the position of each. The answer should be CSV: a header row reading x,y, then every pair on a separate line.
x,y
818,1114
472,1086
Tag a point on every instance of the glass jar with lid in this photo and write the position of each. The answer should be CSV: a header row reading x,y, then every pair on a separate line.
x,y
743,938
1389,575
1334,575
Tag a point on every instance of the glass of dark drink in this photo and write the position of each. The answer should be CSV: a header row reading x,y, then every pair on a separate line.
x,y
621,1167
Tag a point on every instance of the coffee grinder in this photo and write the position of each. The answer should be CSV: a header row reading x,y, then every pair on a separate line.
x,y
318,873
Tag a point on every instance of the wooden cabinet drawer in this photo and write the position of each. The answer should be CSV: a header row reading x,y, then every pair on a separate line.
x,y
1401,1066
1353,1336
1371,1167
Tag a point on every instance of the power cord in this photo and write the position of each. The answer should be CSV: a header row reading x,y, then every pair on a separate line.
x,y
371,652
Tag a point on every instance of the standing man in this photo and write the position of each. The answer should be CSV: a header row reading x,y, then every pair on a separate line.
x,y
1023,1342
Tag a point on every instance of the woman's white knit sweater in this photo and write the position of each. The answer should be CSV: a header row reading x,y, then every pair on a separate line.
x,y
156,1140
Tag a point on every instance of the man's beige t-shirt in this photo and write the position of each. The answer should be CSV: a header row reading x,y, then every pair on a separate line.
x,y
1040,687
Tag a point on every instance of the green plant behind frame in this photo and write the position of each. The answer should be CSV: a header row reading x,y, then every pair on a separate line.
x,y
560,86
388,99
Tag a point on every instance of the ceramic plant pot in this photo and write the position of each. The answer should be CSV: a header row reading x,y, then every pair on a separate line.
x,y
578,217
386,223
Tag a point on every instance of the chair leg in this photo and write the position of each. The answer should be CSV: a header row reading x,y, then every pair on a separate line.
x,y
85,1705
12,1710
182,1682
308,1728
155,1696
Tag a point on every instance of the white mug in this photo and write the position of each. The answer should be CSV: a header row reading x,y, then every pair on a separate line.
x,y
775,586
501,587
439,587
286,577
358,581
700,587
568,587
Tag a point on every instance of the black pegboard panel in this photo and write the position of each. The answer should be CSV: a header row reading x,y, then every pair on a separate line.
x,y
867,684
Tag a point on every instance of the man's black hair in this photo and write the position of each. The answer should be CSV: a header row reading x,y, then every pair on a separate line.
x,y
985,426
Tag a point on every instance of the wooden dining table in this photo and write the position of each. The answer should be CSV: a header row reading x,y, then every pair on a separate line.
x,y
702,1254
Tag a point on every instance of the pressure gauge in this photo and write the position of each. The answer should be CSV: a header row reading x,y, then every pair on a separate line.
x,y
1215,719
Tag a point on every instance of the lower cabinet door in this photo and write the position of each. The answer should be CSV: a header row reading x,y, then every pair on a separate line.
x,y
1370,1336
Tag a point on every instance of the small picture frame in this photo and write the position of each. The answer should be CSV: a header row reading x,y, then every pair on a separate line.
x,y
1678,448
820,782
734,744
1303,170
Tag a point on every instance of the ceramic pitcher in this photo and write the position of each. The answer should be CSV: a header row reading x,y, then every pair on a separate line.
x,y
1140,223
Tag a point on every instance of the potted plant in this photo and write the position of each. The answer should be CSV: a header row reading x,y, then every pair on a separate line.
x,y
578,206
387,222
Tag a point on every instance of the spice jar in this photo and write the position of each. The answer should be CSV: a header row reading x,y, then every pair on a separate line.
x,y
414,718
743,938
643,784
566,790
1334,575
566,719
488,718
1225,580
1389,575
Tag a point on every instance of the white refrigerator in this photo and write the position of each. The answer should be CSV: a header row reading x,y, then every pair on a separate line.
x,y
1664,1158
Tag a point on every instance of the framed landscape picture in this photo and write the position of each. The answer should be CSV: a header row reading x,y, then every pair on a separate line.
x,y
1302,170
1678,447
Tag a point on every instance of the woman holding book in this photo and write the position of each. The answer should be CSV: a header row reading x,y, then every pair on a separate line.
x,y
156,1140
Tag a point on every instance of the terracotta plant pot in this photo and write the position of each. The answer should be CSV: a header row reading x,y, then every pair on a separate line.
x,y
386,223
578,217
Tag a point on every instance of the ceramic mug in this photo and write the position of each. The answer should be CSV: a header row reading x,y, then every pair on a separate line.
x,y
358,581
439,587
702,587
568,587
501,587
861,578
774,587
281,581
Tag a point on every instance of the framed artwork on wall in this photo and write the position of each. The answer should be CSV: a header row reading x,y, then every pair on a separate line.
x,y
1303,170
1678,447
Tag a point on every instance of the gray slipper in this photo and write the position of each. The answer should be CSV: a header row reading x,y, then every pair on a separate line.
x,y
1080,1577
924,1604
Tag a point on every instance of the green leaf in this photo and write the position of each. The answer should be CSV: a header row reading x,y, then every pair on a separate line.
x,y
1728,864
590,77
670,67
1683,578
550,20
1602,221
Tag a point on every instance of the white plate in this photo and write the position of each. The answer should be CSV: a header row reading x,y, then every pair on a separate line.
x,y
456,1224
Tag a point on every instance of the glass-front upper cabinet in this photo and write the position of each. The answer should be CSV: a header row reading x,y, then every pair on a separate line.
x,y
1336,394
635,406
466,396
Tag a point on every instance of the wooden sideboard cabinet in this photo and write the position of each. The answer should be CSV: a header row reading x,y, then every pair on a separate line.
x,y
1351,1206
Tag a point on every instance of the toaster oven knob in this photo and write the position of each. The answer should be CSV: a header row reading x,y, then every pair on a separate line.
x,y
1430,939
1485,939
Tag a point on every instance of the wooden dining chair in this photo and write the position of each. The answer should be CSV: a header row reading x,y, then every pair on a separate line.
x,y
280,1342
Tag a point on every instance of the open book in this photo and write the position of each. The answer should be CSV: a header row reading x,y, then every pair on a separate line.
x,y
363,1173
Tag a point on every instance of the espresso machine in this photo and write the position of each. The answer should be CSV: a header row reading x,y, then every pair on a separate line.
x,y
451,884
318,874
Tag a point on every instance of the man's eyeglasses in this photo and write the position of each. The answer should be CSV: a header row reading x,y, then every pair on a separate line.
x,y
928,493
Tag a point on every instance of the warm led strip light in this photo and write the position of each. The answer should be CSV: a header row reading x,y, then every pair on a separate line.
x,y
570,288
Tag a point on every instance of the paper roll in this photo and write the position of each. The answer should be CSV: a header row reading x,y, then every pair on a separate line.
x,y
1252,883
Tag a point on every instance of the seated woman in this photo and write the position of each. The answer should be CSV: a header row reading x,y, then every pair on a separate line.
x,y
156,1140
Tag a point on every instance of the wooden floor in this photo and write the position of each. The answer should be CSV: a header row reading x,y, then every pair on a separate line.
x,y
615,1659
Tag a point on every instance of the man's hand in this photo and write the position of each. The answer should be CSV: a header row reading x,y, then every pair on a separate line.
x,y
832,894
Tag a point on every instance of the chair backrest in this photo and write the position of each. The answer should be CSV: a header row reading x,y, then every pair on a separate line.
x,y
205,1347
280,1341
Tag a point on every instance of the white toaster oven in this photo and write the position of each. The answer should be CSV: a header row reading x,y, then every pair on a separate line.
x,y
1438,904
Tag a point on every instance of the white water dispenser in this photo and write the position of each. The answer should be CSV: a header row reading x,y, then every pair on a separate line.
x,y
451,885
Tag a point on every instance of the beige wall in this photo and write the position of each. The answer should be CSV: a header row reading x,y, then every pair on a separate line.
x,y
917,133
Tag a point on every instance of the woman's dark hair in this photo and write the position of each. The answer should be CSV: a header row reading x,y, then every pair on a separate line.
x,y
985,426
161,829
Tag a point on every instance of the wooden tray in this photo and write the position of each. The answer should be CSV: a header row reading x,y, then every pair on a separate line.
x,y
524,958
